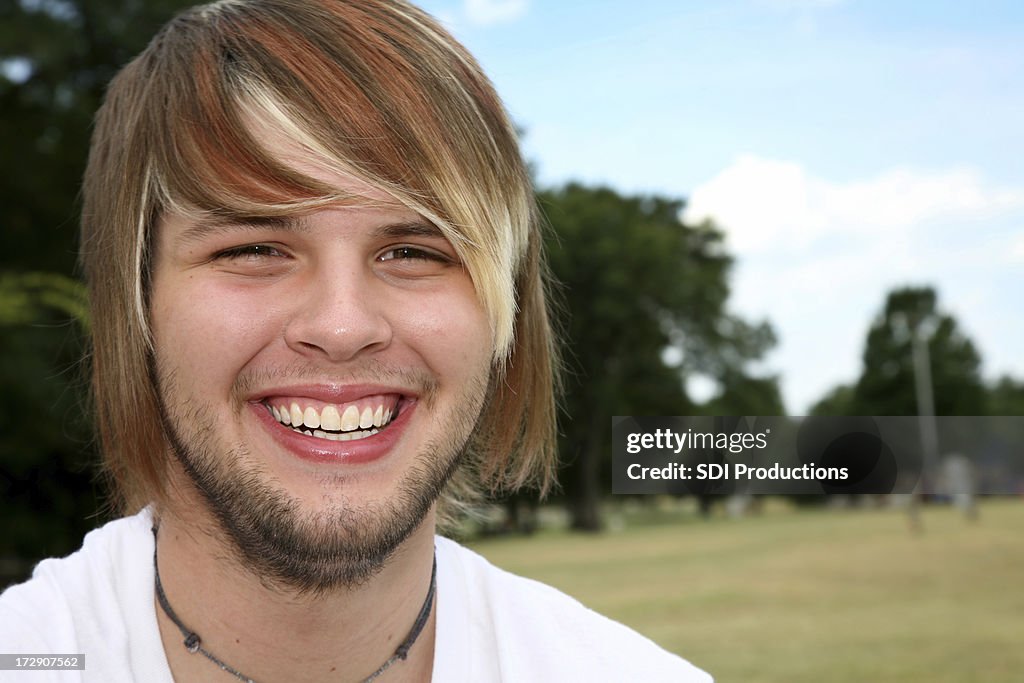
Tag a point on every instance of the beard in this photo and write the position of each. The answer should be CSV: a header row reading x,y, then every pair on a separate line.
x,y
267,529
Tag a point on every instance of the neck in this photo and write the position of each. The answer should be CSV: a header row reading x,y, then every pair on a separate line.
x,y
269,632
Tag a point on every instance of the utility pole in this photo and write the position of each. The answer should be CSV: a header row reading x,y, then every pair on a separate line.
x,y
920,331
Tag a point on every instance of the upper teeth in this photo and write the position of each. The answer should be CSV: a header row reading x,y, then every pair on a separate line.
x,y
332,417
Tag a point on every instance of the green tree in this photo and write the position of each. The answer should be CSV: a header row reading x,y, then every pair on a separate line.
x,y
56,57
838,401
636,281
1006,397
886,384
743,394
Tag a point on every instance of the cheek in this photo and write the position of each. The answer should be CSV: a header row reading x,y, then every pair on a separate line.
x,y
204,332
451,332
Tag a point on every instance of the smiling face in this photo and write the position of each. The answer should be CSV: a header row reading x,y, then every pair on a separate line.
x,y
319,378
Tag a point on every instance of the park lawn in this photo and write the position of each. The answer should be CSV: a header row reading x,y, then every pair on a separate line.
x,y
799,595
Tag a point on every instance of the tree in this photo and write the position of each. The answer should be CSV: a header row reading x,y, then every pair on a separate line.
x,y
742,394
1006,397
635,281
56,57
886,384
838,401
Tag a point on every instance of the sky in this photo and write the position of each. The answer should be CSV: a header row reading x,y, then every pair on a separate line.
x,y
845,146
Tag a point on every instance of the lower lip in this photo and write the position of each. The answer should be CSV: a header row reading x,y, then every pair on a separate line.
x,y
352,452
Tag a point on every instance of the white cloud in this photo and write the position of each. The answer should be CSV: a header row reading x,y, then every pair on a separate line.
x,y
765,203
816,258
490,12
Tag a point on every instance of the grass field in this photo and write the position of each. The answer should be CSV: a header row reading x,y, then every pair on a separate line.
x,y
805,595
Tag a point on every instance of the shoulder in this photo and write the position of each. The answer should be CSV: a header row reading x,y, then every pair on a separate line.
x,y
71,597
545,634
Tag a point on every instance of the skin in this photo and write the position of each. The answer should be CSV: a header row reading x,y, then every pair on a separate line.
x,y
346,302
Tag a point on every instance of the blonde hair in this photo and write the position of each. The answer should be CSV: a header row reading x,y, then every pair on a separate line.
x,y
373,89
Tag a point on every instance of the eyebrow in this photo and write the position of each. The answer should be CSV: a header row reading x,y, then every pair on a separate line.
x,y
212,225
416,228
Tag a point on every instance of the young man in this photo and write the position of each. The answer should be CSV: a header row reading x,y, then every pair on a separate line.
x,y
319,324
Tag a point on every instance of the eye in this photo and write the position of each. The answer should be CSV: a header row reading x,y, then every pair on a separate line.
x,y
406,253
249,252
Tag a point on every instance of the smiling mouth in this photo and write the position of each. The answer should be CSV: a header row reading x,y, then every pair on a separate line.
x,y
335,422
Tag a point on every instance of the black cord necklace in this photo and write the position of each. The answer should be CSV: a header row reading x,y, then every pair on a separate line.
x,y
193,643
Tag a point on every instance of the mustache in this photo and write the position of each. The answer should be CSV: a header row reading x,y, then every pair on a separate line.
x,y
371,371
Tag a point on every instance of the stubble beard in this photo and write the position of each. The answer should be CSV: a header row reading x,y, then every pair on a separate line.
x,y
265,528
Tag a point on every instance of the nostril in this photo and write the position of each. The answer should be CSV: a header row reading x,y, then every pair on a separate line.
x,y
321,334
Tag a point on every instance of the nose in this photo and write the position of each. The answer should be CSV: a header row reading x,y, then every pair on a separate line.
x,y
337,316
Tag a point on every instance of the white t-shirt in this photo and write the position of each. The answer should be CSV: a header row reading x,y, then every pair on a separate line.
x,y
491,625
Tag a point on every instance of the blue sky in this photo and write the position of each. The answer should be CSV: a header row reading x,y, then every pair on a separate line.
x,y
846,147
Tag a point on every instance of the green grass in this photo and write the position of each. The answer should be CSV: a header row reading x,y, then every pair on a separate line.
x,y
806,595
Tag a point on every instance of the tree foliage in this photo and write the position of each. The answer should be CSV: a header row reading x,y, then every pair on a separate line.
x,y
743,394
1006,397
886,386
56,57
838,401
636,281
886,383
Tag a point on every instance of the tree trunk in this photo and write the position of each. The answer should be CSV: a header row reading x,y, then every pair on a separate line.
x,y
585,504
